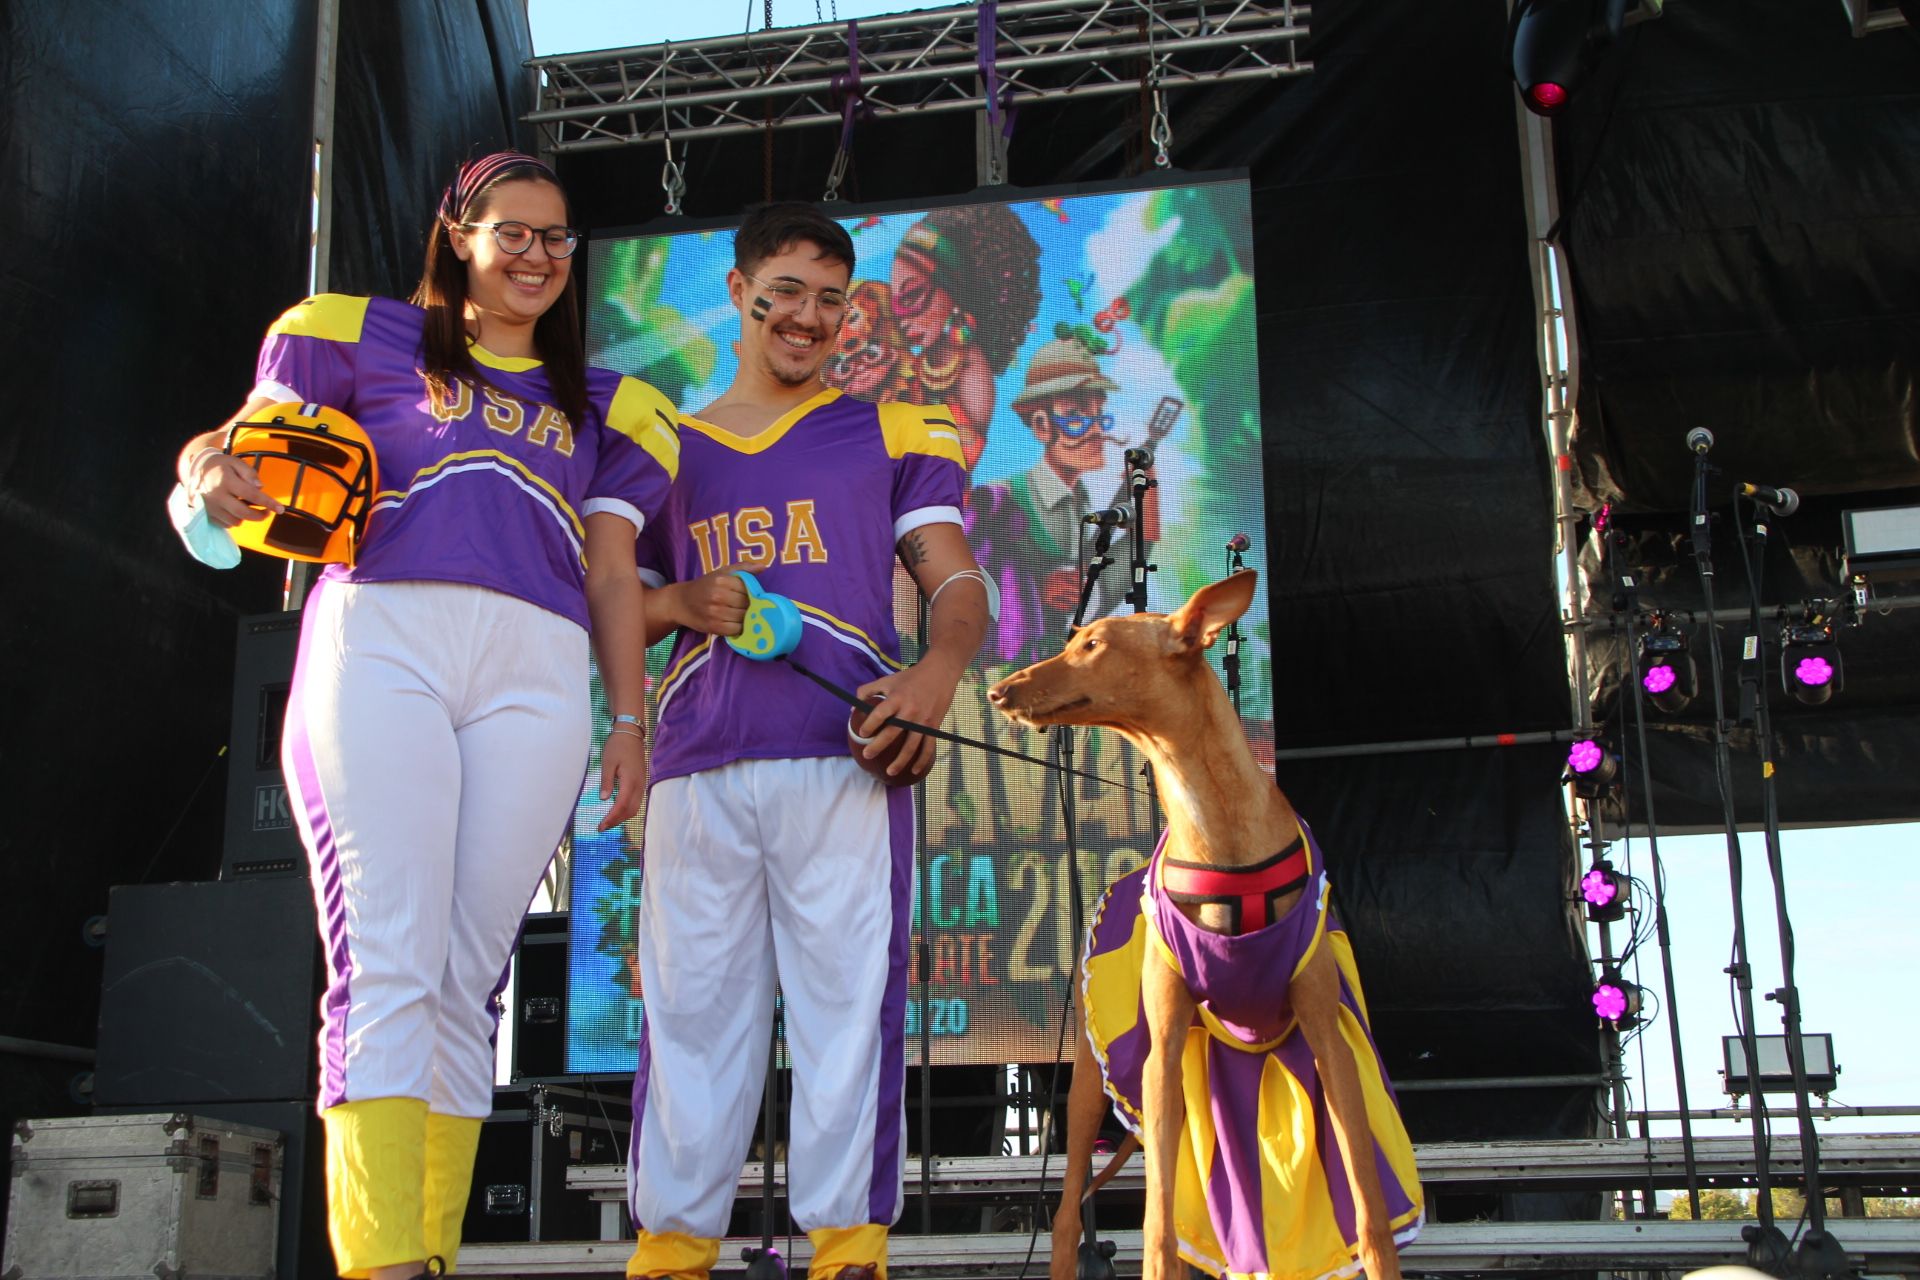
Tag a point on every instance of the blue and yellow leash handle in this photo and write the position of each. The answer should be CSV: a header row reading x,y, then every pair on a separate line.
x,y
771,631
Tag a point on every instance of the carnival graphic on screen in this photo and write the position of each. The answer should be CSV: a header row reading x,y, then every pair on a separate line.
x,y
1060,331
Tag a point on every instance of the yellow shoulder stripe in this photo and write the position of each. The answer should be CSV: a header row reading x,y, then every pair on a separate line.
x,y
336,317
920,428
642,413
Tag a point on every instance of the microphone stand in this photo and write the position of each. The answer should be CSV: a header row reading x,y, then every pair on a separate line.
x,y
1628,602
1230,660
1138,482
1095,1256
1819,1254
1767,1248
765,1263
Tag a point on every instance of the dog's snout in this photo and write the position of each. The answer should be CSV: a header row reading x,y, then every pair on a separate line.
x,y
997,694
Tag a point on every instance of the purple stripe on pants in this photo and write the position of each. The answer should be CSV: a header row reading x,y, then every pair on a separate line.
x,y
323,859
883,1196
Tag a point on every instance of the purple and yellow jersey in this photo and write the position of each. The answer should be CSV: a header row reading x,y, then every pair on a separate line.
x,y
820,498
492,489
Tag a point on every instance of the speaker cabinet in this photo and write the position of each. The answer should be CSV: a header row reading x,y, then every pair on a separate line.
x,y
261,839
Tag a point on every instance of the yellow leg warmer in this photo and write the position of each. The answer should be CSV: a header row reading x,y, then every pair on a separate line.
x,y
451,1143
837,1247
673,1256
376,1168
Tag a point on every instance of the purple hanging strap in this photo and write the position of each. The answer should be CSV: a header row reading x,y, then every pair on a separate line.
x,y
846,88
1000,112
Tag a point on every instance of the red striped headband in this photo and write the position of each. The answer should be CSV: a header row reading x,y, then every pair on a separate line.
x,y
476,175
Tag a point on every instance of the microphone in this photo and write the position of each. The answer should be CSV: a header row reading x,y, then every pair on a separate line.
x,y
1239,543
1111,518
1782,502
1139,458
1699,439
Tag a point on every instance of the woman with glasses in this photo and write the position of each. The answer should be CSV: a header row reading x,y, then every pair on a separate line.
x,y
437,731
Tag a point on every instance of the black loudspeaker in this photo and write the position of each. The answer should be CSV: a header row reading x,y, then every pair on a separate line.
x,y
261,837
210,994
540,998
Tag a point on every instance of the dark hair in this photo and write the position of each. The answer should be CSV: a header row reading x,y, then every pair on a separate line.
x,y
986,258
770,229
445,349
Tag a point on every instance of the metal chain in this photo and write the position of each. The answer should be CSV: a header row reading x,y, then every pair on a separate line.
x,y
834,176
673,178
1160,131
768,24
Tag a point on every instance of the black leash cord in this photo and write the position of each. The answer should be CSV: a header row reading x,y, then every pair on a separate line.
x,y
854,700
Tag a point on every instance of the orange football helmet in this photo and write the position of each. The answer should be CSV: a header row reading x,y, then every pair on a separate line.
x,y
319,463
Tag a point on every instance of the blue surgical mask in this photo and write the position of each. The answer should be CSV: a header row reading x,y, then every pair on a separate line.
x,y
206,541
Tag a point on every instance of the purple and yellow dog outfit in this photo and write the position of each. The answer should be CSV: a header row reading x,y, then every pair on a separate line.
x,y
1261,1192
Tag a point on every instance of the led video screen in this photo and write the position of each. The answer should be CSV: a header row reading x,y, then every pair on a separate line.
x,y
1060,330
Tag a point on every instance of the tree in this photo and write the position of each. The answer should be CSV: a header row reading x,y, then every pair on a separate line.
x,y
1715,1206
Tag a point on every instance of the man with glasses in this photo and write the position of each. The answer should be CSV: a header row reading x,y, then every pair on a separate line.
x,y
769,850
1028,529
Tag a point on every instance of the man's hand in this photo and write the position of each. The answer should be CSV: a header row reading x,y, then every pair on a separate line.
x,y
922,693
714,603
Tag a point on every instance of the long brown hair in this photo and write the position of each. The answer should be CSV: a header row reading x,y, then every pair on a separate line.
x,y
446,355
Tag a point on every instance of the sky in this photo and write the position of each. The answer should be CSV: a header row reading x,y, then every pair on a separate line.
x,y
1850,891
575,26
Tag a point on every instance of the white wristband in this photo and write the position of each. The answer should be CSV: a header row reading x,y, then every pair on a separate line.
x,y
978,575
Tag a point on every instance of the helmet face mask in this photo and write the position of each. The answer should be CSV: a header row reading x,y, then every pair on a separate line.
x,y
319,464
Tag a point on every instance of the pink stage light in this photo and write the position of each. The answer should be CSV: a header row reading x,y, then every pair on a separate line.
x,y
1609,1002
1585,756
1659,679
1814,671
1599,887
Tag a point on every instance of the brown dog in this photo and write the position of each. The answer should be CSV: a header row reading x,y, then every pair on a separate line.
x,y
1146,678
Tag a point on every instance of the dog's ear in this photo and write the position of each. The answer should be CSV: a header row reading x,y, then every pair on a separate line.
x,y
1195,624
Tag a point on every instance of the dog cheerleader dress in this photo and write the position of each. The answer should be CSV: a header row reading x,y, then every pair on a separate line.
x,y
1262,1190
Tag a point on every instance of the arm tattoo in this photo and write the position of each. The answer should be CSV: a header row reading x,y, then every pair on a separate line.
x,y
913,550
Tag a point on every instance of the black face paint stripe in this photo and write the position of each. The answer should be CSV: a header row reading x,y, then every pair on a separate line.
x,y
760,308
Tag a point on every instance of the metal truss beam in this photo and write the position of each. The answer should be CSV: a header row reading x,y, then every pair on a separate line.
x,y
910,64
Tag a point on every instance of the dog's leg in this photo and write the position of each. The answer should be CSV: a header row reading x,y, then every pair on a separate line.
x,y
1169,1008
1316,1002
1086,1105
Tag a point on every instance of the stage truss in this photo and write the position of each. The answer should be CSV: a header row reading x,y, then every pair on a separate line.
x,y
910,64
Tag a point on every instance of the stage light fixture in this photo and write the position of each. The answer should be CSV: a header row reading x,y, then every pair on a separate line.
x,y
1667,671
1616,1001
1605,891
1555,44
1810,667
1591,768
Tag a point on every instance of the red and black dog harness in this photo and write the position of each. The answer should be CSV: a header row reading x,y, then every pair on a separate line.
x,y
1248,893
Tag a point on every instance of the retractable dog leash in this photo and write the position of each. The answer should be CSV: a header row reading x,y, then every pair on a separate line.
x,y
771,632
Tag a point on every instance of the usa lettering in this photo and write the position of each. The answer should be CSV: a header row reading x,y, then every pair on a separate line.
x,y
549,427
754,535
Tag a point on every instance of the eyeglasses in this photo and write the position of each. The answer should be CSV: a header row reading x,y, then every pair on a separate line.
x,y
1075,425
517,237
789,296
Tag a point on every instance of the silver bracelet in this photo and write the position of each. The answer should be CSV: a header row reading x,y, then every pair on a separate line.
x,y
627,730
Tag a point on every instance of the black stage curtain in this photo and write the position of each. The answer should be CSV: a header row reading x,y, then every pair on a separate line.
x,y
157,163
1744,234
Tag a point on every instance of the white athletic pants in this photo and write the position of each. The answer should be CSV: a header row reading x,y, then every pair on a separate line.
x,y
436,741
804,867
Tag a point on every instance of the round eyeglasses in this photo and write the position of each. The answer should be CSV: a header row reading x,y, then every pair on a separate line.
x,y
517,237
791,296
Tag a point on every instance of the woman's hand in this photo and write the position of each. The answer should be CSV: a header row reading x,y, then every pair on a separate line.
x,y
228,488
623,775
